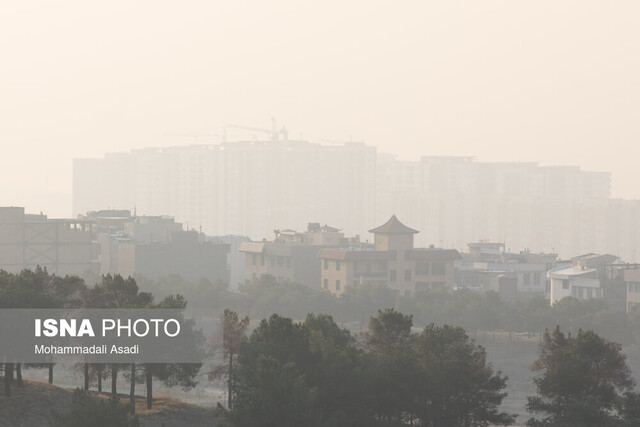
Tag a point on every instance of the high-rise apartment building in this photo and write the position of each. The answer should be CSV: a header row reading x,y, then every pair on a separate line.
x,y
558,209
247,187
254,187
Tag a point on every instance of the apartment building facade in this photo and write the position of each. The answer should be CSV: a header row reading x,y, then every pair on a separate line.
x,y
487,266
253,187
237,188
393,260
632,282
155,246
292,256
585,278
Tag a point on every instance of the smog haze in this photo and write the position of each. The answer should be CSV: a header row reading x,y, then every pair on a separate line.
x,y
549,82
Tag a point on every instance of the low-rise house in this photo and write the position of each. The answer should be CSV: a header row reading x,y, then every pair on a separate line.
x,y
585,278
632,282
487,266
155,246
292,256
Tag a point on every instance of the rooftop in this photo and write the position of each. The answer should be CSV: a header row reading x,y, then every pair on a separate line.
x,y
393,226
571,271
436,254
343,254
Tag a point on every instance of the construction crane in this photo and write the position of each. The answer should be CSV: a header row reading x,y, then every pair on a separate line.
x,y
274,133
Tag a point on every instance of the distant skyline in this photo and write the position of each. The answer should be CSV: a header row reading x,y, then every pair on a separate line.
x,y
548,82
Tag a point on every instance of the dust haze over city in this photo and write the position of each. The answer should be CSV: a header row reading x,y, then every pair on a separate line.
x,y
466,163
552,82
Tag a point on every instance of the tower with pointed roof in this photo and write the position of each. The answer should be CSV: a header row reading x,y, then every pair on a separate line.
x,y
393,236
397,239
393,262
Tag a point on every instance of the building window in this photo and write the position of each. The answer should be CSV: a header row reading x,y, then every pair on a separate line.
x,y
262,260
280,261
407,275
368,268
407,293
337,285
565,284
392,275
438,268
273,261
438,285
527,279
422,268
422,286
288,262
254,259
326,264
325,284
407,255
382,266
337,265
393,255
355,266
355,282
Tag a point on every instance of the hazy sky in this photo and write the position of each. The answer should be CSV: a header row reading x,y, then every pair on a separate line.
x,y
549,81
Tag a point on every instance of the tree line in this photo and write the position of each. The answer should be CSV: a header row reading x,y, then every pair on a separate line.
x,y
314,373
472,310
38,289
300,368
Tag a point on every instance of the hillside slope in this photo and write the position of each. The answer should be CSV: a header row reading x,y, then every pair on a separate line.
x,y
32,406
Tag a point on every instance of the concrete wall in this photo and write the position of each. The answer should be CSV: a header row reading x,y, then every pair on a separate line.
x,y
184,256
61,246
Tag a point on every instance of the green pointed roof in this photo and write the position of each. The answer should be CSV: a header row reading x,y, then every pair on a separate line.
x,y
393,226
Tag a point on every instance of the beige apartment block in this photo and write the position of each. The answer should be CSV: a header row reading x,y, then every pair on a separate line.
x,y
341,268
292,256
392,261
